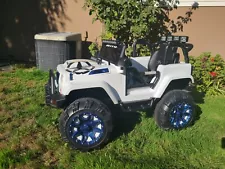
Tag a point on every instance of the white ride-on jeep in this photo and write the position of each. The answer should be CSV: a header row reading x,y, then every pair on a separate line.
x,y
90,90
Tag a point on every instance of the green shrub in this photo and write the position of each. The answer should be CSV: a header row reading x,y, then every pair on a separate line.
x,y
209,74
93,48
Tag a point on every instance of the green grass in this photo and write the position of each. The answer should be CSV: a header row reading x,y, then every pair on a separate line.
x,y
29,136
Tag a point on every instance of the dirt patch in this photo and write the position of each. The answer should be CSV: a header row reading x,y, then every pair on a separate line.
x,y
49,158
29,142
31,83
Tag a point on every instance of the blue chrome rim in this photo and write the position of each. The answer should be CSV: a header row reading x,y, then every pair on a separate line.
x,y
86,129
181,115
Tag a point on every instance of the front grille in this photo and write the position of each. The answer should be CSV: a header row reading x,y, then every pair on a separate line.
x,y
53,81
52,95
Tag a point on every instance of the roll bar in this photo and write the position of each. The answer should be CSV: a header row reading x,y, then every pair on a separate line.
x,y
171,41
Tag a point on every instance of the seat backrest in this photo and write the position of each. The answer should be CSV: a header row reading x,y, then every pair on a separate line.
x,y
166,54
171,54
157,58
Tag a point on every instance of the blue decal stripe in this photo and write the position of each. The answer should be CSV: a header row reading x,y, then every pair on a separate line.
x,y
99,71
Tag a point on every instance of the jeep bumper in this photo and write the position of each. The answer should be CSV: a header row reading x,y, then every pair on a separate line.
x,y
52,96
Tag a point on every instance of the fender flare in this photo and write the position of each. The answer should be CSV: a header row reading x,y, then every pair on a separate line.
x,y
110,91
163,84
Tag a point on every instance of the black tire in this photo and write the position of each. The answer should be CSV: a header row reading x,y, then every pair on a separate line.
x,y
176,110
86,124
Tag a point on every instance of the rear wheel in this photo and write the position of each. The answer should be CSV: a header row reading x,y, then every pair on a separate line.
x,y
86,124
176,110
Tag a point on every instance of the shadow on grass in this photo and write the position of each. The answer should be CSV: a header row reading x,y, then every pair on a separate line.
x,y
124,123
223,142
149,161
16,64
198,96
198,113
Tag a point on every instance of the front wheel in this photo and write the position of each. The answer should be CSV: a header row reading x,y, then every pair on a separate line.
x,y
176,110
86,124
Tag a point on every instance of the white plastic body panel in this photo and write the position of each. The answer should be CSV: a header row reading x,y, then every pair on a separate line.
x,y
114,81
169,73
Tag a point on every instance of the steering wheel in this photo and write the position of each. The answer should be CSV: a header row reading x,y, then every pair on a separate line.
x,y
79,68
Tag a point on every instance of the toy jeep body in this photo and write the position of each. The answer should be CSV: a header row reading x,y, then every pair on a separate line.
x,y
89,90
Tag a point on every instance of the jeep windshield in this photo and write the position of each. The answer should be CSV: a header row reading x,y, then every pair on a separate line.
x,y
111,51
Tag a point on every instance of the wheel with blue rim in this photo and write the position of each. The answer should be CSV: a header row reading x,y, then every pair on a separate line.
x,y
176,110
86,124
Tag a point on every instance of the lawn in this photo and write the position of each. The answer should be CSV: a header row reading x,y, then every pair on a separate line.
x,y
29,136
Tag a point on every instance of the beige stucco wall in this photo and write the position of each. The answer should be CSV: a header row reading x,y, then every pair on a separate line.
x,y
206,30
21,22
80,21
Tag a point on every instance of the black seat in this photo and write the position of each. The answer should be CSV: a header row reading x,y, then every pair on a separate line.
x,y
157,58
167,54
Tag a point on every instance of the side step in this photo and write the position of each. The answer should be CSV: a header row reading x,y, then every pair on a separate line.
x,y
136,106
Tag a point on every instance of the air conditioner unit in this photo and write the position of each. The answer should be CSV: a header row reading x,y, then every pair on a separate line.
x,y
54,48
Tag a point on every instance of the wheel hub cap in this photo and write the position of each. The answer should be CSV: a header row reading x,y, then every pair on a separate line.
x,y
181,115
86,128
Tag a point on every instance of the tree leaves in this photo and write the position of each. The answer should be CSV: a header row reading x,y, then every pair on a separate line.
x,y
129,20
